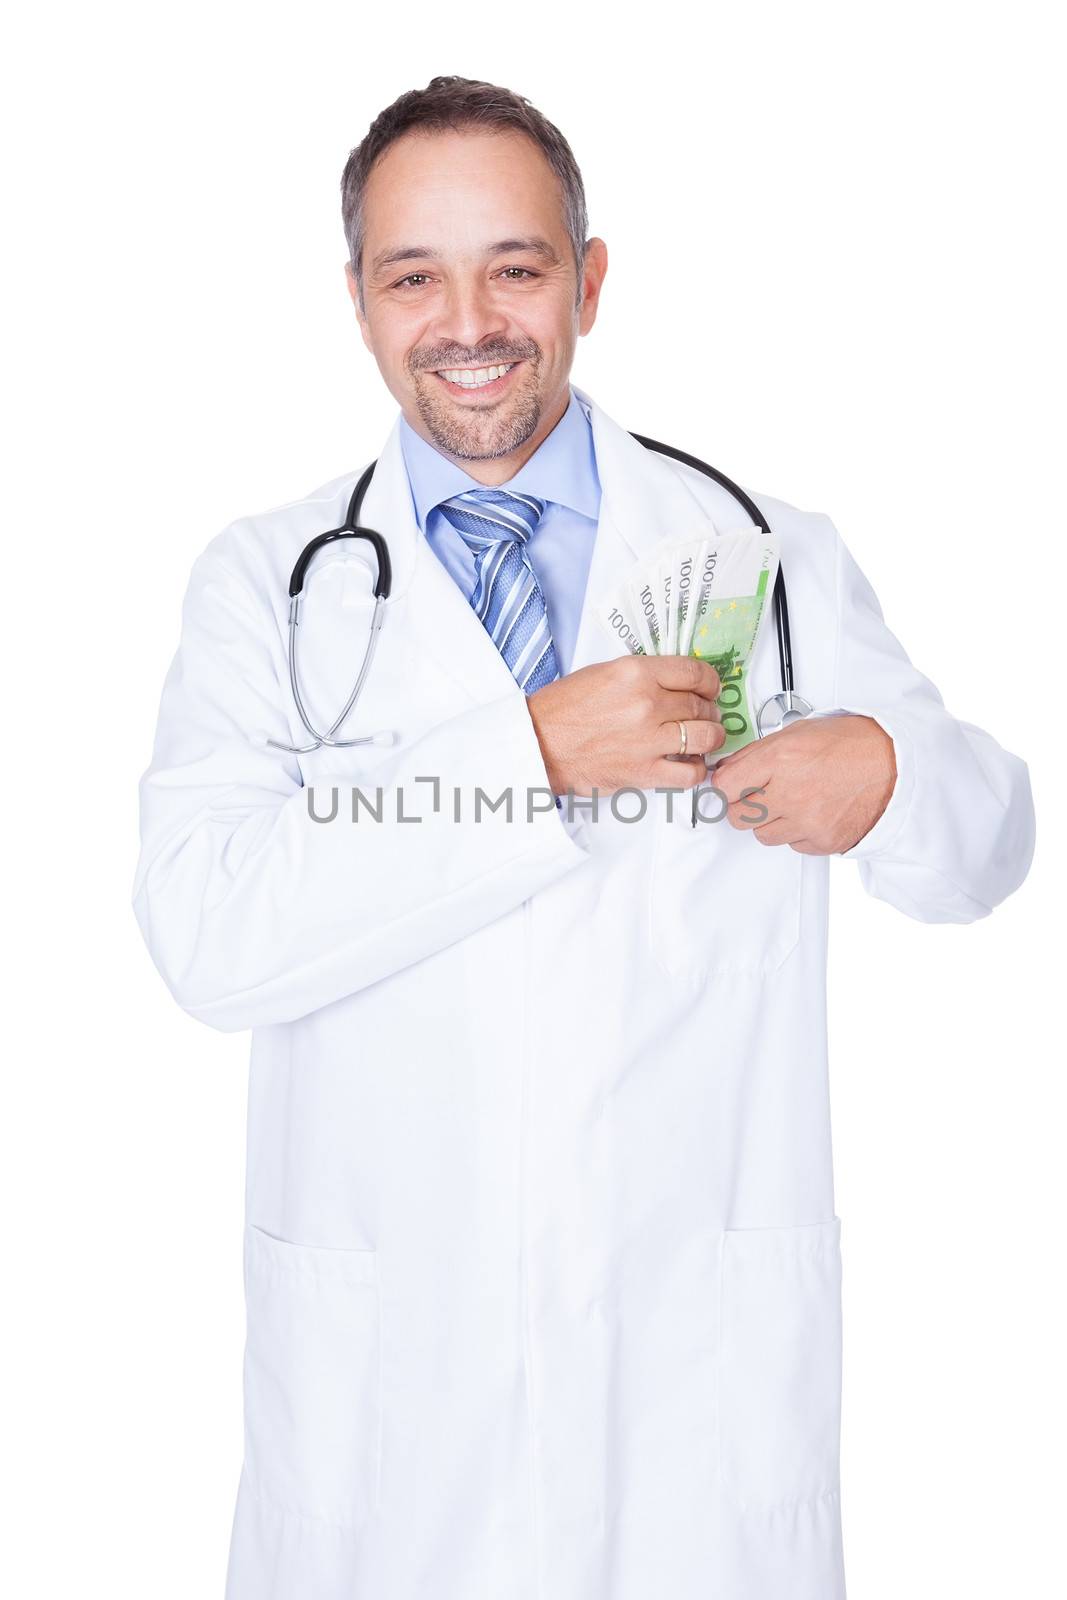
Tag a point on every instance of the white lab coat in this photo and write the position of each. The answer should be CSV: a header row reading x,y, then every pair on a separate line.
x,y
542,1263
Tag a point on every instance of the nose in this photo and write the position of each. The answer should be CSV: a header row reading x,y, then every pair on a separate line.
x,y
468,313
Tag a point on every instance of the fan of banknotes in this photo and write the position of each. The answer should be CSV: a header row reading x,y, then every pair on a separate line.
x,y
707,598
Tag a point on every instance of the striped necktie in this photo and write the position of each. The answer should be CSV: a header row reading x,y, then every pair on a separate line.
x,y
495,525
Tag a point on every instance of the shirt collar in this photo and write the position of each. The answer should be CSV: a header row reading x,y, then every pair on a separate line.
x,y
562,468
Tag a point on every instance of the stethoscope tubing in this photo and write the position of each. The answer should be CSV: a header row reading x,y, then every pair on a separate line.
x,y
746,502
327,738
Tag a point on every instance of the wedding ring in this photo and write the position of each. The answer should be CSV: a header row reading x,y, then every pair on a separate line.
x,y
684,736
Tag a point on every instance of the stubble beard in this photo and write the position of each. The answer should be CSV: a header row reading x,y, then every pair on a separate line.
x,y
479,434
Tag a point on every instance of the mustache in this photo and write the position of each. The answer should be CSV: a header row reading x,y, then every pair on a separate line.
x,y
489,356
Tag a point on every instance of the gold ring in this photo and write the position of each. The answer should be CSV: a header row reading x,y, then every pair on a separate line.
x,y
684,738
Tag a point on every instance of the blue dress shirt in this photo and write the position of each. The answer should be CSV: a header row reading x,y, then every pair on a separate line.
x,y
562,472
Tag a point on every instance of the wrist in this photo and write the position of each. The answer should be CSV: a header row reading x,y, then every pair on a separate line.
x,y
556,777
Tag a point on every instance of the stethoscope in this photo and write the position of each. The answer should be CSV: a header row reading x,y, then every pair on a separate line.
x,y
776,712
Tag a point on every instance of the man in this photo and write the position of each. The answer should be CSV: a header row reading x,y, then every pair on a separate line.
x,y
542,1264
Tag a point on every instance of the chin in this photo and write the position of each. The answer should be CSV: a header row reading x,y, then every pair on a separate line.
x,y
473,435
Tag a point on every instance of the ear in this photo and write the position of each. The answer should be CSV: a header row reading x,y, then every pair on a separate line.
x,y
593,274
353,290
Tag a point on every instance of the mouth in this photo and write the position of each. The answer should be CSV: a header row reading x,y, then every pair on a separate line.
x,y
487,382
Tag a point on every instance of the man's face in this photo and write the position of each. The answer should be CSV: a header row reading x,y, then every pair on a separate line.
x,y
467,266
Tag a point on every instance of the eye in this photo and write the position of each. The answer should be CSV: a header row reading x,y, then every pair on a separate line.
x,y
409,280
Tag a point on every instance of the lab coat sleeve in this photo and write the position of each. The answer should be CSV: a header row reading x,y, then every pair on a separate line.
x,y
957,835
256,914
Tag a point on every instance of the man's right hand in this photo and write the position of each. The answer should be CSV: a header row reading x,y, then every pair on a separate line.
x,y
613,724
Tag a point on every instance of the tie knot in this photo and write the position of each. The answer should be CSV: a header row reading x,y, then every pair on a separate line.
x,y
485,517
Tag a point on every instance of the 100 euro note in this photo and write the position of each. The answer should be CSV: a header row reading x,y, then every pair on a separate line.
x,y
725,631
707,598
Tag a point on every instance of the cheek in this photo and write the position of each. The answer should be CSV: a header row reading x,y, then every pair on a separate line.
x,y
396,334
549,324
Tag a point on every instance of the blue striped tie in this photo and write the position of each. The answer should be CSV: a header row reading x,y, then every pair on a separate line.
x,y
495,525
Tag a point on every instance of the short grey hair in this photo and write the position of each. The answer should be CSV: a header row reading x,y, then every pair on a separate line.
x,y
450,103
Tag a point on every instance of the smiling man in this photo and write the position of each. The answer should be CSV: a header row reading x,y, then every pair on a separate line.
x,y
542,1262
432,270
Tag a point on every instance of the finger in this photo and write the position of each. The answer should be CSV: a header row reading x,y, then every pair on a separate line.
x,y
686,772
743,769
701,737
754,811
688,672
686,705
781,831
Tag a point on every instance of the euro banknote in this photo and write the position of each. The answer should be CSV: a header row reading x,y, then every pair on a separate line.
x,y
707,598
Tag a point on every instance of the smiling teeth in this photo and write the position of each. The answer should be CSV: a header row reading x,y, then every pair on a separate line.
x,y
474,379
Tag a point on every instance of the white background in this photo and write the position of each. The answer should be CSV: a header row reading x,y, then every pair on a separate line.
x,y
836,270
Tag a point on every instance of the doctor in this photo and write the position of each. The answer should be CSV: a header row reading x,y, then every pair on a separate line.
x,y
542,1263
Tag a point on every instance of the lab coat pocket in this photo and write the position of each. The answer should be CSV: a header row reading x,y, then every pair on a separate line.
x,y
312,1378
722,904
780,1364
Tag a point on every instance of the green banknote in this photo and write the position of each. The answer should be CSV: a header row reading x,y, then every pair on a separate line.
x,y
725,635
704,597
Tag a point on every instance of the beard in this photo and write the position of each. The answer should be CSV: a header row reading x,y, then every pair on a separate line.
x,y
481,433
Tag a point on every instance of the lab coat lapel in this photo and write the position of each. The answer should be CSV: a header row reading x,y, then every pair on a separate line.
x,y
644,499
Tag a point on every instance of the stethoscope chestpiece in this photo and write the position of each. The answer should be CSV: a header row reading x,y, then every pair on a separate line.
x,y
789,706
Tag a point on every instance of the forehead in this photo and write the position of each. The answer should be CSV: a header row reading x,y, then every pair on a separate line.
x,y
489,182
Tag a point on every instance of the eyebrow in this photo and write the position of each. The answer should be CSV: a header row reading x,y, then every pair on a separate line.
x,y
418,252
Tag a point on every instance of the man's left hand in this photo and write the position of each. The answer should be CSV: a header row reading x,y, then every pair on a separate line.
x,y
825,783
